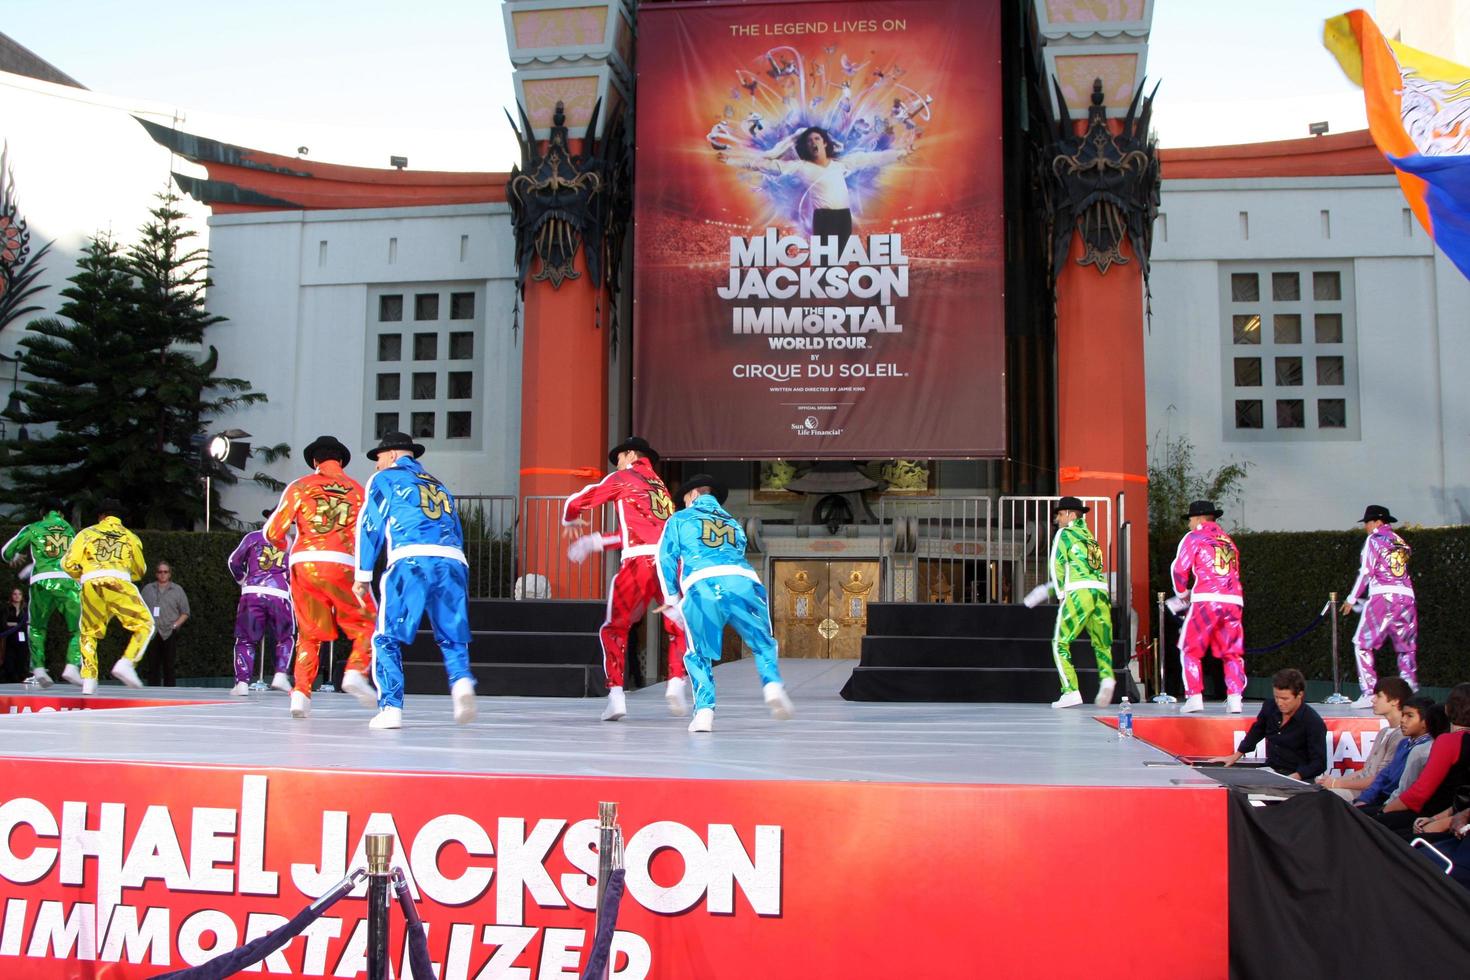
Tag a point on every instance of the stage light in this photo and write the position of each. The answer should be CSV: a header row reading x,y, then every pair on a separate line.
x,y
1317,128
226,447
399,162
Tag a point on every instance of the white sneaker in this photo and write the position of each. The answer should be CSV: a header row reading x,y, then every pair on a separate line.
x,y
355,683
71,675
463,694
89,685
704,720
281,682
124,671
1232,704
300,705
42,678
387,718
1070,700
1193,703
1366,701
1105,692
617,705
677,694
240,690
777,700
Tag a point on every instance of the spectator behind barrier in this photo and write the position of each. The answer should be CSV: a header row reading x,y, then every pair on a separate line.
x,y
1389,695
1296,736
1445,772
1415,725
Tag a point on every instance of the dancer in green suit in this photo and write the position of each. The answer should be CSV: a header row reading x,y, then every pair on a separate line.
x,y
53,591
1078,579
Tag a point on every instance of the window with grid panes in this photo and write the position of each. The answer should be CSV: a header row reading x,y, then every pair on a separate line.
x,y
424,354
1290,358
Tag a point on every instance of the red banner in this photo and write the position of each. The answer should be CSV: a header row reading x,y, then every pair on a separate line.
x,y
124,870
819,234
24,704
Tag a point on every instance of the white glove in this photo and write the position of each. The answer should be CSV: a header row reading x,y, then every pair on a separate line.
x,y
670,611
584,547
1036,596
25,573
1358,606
1176,604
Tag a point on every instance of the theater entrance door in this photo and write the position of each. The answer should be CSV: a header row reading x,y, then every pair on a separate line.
x,y
819,609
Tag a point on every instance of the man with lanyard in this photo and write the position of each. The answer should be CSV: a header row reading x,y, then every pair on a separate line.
x,y
53,592
265,605
1389,611
644,505
707,582
323,507
1079,581
1207,567
107,559
411,512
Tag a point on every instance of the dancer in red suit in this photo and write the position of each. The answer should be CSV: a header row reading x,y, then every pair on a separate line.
x,y
644,505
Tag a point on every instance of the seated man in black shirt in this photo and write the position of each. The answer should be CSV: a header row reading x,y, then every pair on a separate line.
x,y
1296,737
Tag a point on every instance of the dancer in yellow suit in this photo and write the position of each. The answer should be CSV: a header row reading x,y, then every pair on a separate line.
x,y
107,558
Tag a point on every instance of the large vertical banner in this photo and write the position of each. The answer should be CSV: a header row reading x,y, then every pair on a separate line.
x,y
818,230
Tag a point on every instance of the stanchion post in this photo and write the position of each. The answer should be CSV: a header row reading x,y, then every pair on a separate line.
x,y
607,859
1162,697
1336,697
260,684
331,666
379,849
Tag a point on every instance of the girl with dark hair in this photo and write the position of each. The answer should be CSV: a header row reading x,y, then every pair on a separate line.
x,y
823,168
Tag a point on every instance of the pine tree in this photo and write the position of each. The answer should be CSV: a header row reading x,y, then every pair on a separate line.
x,y
125,379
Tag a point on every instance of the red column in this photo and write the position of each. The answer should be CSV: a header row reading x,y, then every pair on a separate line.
x,y
1102,441
564,370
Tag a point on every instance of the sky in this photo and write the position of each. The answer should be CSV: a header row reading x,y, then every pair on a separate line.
x,y
358,81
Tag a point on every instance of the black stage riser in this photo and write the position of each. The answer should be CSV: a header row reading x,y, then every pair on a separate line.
x,y
965,651
511,679
976,619
581,649
537,615
1010,685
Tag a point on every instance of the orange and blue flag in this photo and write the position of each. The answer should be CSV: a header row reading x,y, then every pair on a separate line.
x,y
1419,116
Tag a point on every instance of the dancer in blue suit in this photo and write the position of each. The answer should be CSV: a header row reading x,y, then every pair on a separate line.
x,y
409,510
707,582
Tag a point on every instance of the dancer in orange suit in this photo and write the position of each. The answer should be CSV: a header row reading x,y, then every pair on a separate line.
x,y
324,507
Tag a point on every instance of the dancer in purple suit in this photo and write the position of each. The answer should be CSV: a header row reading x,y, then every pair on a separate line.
x,y
265,604
1389,612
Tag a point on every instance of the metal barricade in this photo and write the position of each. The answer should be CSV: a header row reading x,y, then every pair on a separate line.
x,y
937,549
489,522
1024,536
543,570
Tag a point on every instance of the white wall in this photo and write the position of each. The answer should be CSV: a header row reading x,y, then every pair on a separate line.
x,y
298,324
1413,318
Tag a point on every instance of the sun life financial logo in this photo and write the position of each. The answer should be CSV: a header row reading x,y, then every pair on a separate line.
x,y
809,427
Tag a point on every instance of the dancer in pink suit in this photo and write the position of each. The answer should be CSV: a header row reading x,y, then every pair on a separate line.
x,y
1389,610
1209,558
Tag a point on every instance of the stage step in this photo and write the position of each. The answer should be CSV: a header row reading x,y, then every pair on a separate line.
x,y
979,652
519,647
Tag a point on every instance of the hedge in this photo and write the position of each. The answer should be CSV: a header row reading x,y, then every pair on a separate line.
x,y
1287,576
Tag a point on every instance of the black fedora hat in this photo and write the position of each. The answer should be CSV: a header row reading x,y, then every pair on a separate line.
x,y
704,480
1203,508
110,506
1070,503
396,440
267,513
326,446
636,443
1378,512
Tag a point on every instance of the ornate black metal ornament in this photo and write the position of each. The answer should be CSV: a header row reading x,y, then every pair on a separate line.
x,y
19,266
561,201
1105,187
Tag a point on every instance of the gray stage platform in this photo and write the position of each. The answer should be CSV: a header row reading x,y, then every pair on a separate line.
x,y
830,739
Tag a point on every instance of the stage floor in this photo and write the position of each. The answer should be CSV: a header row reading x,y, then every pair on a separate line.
x,y
829,739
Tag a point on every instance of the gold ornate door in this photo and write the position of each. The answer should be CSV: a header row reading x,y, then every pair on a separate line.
x,y
819,609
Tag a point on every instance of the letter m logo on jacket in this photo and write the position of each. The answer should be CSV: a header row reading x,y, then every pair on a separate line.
x,y
715,532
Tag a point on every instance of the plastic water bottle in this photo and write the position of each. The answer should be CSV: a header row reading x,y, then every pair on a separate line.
x,y
1125,719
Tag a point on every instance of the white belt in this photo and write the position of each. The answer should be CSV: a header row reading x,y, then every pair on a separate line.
x,y
715,571
265,590
426,551
639,550
1229,600
330,557
48,576
1079,586
1373,589
106,573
